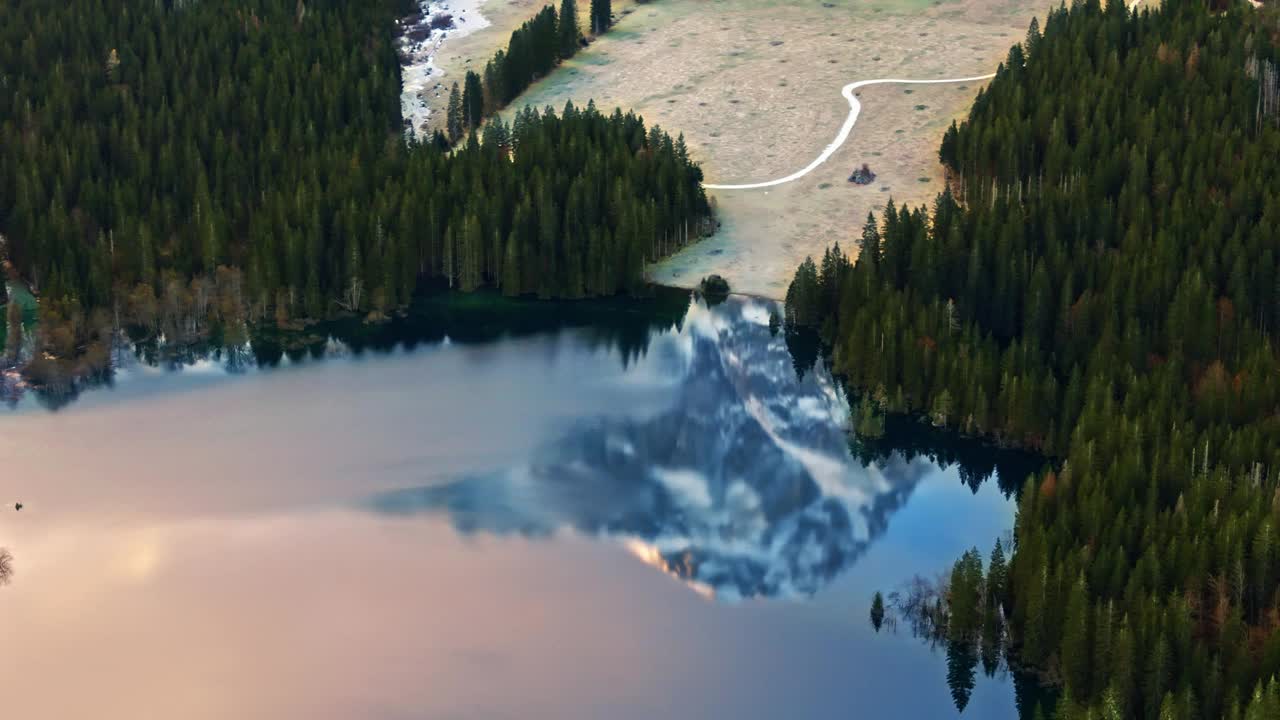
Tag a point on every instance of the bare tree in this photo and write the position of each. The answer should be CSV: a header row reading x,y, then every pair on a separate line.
x,y
6,566
113,64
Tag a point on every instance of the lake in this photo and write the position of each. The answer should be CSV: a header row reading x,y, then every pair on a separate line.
x,y
488,509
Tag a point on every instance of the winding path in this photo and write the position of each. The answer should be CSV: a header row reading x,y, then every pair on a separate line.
x,y
855,108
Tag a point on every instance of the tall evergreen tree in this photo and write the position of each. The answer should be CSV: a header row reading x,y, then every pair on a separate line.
x,y
569,32
455,117
601,16
472,101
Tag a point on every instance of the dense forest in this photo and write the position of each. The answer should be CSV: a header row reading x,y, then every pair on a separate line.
x,y
1100,283
176,164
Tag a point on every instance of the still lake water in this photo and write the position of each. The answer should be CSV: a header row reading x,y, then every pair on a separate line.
x,y
637,511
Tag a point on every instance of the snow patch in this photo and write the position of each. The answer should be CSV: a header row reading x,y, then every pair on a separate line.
x,y
422,84
688,485
813,408
757,313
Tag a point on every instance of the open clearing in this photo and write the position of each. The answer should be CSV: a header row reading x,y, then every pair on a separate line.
x,y
754,86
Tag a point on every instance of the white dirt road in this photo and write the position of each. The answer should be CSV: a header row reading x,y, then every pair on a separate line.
x,y
855,108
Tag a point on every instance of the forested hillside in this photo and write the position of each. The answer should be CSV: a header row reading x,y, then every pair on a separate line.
x,y
1101,284
177,162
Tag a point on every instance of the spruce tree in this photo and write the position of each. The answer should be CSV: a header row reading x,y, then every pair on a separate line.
x,y
454,119
869,243
569,32
997,574
1076,641
472,101
601,16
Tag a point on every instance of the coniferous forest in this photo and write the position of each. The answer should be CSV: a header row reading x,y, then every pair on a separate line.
x,y
1100,283
174,164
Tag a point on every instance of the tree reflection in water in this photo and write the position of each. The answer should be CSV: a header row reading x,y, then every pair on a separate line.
x,y
749,485
962,613
624,324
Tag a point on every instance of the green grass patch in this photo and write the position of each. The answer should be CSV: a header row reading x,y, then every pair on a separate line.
x,y
593,58
620,35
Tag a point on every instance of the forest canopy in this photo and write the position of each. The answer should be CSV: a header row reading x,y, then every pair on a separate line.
x,y
181,161
1099,282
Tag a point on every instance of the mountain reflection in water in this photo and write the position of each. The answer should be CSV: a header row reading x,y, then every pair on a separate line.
x,y
332,524
744,487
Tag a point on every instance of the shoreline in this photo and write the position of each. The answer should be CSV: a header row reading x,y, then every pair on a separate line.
x,y
756,100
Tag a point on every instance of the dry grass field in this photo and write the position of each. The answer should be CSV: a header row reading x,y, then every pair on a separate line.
x,y
755,87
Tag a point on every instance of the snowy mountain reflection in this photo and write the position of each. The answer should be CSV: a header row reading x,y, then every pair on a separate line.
x,y
745,487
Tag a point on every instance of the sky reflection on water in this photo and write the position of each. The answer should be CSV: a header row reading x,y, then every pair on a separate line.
x,y
453,532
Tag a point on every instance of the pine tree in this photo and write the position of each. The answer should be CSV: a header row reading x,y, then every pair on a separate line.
x,y
869,243
966,594
455,121
997,574
1076,641
472,101
1157,672
450,256
511,268
601,16
471,248
354,293
569,32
